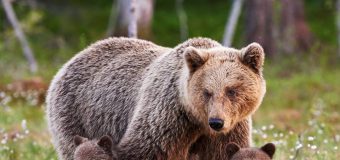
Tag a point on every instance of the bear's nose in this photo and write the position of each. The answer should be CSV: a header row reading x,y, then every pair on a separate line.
x,y
216,123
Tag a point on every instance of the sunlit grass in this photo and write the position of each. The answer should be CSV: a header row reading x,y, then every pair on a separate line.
x,y
300,113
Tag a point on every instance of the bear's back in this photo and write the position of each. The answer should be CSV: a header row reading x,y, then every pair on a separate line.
x,y
101,80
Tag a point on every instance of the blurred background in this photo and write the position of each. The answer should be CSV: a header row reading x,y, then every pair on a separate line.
x,y
300,112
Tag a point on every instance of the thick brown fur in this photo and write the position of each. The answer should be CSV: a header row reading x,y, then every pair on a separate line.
x,y
102,149
155,102
266,152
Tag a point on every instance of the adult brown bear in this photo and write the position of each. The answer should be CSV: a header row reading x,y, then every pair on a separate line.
x,y
156,102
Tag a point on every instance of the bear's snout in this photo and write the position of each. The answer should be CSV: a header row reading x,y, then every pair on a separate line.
x,y
216,124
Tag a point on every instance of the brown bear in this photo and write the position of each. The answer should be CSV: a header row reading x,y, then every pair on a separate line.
x,y
102,149
157,102
235,152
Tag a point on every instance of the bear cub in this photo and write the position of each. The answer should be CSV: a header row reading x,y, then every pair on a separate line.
x,y
235,152
102,149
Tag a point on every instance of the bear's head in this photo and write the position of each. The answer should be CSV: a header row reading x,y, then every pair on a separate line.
x,y
223,86
266,152
102,149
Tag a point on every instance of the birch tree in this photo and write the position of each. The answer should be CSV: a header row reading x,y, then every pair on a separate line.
x,y
20,35
338,23
183,22
232,23
132,29
144,12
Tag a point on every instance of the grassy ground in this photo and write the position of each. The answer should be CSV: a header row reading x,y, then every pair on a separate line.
x,y
300,112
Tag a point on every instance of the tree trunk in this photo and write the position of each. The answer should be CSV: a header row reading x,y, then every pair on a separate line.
x,y
144,11
20,35
232,22
338,23
259,24
294,31
132,29
183,23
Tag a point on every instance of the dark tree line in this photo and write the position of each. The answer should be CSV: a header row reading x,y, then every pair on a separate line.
x,y
292,31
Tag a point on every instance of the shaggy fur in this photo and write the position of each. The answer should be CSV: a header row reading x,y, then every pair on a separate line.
x,y
235,152
155,102
101,149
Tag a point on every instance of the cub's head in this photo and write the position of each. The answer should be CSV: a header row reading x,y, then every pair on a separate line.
x,y
102,149
222,86
266,152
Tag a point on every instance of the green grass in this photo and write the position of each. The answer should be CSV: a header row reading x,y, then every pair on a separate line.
x,y
302,100
300,112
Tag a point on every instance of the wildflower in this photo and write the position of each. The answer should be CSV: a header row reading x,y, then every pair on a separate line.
x,y
313,147
281,134
325,141
298,146
275,135
291,132
310,138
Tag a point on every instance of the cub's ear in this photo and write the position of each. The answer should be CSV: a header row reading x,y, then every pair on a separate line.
x,y
253,57
79,140
106,143
269,148
232,148
193,58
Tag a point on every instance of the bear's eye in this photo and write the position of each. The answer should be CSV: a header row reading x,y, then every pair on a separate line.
x,y
231,93
207,94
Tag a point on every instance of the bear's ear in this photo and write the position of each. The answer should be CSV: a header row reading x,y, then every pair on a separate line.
x,y
79,140
269,148
232,148
106,143
193,58
253,57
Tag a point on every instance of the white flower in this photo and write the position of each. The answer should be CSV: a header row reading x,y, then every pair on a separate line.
x,y
275,135
24,124
4,141
291,132
325,141
298,146
310,138
313,147
281,134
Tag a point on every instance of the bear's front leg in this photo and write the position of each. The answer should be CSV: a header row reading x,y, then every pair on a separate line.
x,y
214,148
151,135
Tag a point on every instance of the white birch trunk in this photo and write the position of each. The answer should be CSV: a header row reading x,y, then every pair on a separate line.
x,y
232,22
132,28
338,23
20,35
183,23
